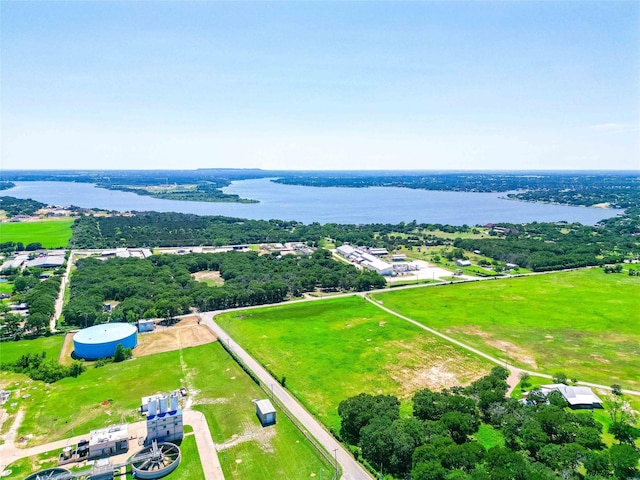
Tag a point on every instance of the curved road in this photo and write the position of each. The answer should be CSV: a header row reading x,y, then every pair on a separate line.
x,y
351,469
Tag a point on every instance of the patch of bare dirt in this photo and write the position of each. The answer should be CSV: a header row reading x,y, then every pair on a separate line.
x,y
254,433
212,276
513,351
599,358
426,363
173,338
67,350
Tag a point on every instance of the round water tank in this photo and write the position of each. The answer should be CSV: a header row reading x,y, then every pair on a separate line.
x,y
48,473
101,341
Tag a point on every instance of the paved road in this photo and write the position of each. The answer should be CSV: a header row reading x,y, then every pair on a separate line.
x,y
207,450
351,469
60,300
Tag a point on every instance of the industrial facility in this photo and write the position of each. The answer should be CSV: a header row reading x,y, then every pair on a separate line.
x,y
100,341
164,418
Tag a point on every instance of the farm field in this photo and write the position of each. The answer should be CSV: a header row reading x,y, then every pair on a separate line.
x,y
53,233
583,323
334,349
111,394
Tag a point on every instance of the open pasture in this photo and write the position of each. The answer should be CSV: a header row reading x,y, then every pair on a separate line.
x,y
54,233
10,351
217,386
583,323
334,349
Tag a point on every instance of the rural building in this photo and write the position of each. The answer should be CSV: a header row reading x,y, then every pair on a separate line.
x,y
463,263
346,250
15,262
265,412
398,257
378,251
577,397
48,261
145,325
109,441
164,418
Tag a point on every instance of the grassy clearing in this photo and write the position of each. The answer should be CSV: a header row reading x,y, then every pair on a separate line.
x,y
489,437
54,233
583,323
6,287
111,394
11,351
335,349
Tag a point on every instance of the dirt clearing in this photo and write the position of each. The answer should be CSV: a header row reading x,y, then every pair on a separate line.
x,y
67,350
173,338
210,277
427,363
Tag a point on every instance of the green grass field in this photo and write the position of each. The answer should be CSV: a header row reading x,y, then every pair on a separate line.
x,y
53,233
334,349
583,323
111,394
11,351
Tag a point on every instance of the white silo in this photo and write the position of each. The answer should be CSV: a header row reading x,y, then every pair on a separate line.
x,y
174,402
152,406
163,403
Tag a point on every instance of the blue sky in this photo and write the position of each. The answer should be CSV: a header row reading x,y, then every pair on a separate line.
x,y
320,85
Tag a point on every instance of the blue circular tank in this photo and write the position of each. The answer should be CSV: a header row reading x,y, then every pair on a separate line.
x,y
101,341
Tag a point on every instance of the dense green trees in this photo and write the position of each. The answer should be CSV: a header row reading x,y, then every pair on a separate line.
x,y
18,206
162,286
541,441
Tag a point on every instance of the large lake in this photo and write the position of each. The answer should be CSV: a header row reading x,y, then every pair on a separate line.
x,y
323,205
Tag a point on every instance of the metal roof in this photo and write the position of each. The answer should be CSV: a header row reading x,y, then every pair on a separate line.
x,y
265,406
106,332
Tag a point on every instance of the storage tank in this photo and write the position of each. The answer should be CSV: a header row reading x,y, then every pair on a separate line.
x,y
174,402
163,404
152,408
101,341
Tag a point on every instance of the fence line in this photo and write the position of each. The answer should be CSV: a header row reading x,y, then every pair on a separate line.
x,y
327,456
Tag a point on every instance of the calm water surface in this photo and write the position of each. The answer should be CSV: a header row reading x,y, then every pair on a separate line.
x,y
323,205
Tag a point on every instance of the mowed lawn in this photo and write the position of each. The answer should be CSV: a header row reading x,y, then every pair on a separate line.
x,y
54,233
334,349
584,323
12,350
217,386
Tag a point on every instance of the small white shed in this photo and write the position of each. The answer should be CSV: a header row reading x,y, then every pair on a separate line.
x,y
265,412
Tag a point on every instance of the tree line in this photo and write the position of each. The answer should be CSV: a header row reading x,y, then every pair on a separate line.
x,y
19,206
162,286
541,440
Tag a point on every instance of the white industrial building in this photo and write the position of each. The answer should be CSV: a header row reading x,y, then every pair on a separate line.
x,y
366,259
346,250
164,418
109,441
